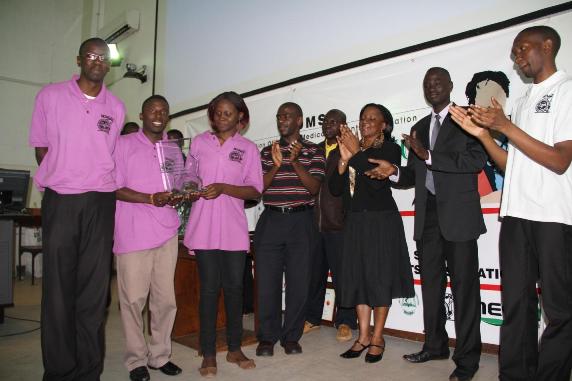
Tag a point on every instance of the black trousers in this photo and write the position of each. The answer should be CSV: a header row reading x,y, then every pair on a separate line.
x,y
283,245
327,256
77,242
220,268
531,251
248,287
461,259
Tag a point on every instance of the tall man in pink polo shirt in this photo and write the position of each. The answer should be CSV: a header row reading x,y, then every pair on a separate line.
x,y
145,244
74,129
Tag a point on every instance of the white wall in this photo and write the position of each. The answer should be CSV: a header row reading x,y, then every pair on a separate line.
x,y
39,40
137,49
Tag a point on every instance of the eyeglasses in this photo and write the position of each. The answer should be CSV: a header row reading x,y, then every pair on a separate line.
x,y
96,57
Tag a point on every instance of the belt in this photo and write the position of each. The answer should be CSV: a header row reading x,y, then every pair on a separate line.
x,y
288,209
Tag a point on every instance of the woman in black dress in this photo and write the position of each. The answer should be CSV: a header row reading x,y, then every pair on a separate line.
x,y
375,265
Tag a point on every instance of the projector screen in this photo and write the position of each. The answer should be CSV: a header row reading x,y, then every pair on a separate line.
x,y
206,47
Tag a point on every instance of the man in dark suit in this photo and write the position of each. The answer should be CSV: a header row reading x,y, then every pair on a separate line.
x,y
448,221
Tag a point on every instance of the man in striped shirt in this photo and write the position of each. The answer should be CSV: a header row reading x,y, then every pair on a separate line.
x,y
293,171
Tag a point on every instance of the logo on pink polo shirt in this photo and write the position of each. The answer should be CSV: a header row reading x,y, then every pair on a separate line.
x,y
104,123
168,166
236,155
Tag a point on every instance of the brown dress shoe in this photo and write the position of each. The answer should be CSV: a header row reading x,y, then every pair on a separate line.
x,y
308,327
344,333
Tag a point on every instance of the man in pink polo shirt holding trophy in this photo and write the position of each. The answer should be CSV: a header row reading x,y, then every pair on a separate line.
x,y
146,244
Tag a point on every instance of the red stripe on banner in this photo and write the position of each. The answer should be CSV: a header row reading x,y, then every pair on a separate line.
x,y
484,286
410,213
491,287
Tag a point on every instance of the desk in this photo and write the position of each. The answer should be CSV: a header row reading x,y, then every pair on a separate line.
x,y
187,293
8,224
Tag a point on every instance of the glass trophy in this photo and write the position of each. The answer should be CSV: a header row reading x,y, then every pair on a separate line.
x,y
191,181
180,175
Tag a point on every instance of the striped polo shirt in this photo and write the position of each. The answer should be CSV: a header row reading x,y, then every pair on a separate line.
x,y
286,188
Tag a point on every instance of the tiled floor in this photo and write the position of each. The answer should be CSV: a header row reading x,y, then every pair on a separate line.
x,y
21,358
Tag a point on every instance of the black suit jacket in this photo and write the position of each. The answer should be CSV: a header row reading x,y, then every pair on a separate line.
x,y
329,209
456,160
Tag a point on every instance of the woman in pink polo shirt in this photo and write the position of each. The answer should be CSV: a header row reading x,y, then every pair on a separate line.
x,y
217,231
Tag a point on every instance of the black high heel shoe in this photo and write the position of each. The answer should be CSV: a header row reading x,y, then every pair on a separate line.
x,y
351,354
369,358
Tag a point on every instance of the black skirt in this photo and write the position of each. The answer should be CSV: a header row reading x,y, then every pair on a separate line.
x,y
375,266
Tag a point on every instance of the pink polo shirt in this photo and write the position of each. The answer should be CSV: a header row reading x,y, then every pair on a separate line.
x,y
220,224
140,226
80,135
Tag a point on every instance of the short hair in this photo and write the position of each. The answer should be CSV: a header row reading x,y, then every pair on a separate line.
x,y
488,75
127,126
295,106
339,113
236,101
175,133
440,70
89,41
386,116
547,33
153,98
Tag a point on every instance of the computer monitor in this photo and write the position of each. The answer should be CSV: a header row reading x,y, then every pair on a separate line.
x,y
13,190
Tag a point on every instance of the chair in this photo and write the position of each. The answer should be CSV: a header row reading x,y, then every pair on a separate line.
x,y
32,249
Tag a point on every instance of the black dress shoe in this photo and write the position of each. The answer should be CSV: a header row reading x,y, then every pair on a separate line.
x,y
374,358
139,374
425,356
265,348
455,377
351,354
292,348
169,369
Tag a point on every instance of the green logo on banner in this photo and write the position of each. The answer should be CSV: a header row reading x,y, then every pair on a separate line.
x,y
403,150
492,321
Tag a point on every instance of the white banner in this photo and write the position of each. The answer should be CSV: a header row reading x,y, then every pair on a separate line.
x,y
397,84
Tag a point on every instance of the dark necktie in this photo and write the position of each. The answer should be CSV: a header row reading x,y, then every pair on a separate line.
x,y
429,184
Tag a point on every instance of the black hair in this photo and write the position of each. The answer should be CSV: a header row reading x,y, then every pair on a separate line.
x,y
295,106
547,33
89,41
386,116
495,76
236,101
128,125
339,113
152,98
178,134
440,70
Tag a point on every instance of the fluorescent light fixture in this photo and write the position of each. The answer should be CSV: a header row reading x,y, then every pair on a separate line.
x,y
114,55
